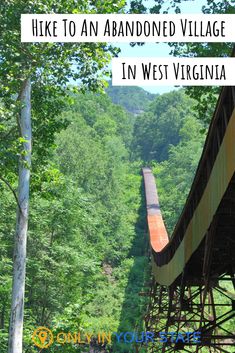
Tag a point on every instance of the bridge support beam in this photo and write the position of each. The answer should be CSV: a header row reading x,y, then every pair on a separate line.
x,y
183,308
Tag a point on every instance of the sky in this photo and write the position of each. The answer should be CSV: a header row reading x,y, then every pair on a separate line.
x,y
158,49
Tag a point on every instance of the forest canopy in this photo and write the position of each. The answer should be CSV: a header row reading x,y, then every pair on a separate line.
x,y
87,199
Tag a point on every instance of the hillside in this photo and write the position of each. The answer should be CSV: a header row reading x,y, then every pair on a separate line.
x,y
133,99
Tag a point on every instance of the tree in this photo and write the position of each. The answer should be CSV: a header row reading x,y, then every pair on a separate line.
x,y
206,97
174,176
160,125
82,227
48,68
19,260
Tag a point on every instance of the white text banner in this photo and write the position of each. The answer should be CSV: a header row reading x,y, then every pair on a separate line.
x,y
119,28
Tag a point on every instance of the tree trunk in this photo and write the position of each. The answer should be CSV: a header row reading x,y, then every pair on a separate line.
x,y
15,344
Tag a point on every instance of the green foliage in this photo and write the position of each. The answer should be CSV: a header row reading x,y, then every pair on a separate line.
x,y
174,175
206,97
160,125
84,246
133,99
87,240
86,260
50,67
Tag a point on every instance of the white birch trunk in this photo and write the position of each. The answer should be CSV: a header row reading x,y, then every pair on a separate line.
x,y
15,343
